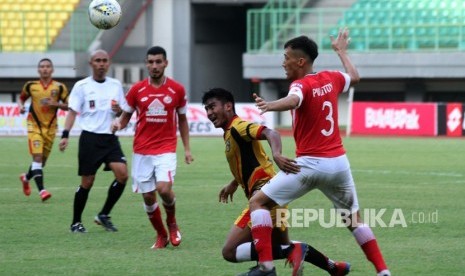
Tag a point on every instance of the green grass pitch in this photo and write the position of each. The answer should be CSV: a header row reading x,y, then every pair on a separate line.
x,y
422,177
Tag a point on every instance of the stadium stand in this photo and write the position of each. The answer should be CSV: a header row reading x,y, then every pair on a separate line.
x,y
405,50
393,25
32,25
406,25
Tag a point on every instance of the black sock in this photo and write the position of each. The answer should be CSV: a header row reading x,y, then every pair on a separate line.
x,y
80,200
114,193
38,176
316,258
29,173
278,252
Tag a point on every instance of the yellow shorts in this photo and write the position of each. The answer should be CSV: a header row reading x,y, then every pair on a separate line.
x,y
40,142
243,219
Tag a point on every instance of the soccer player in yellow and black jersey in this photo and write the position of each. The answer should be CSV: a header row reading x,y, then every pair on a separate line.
x,y
252,169
47,96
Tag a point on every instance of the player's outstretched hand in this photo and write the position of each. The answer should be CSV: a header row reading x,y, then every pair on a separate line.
x,y
285,164
63,144
260,103
227,192
341,42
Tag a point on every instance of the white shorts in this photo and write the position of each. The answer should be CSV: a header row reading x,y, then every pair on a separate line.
x,y
147,170
332,176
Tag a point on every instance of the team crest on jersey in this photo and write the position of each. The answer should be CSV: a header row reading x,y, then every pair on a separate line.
x,y
228,145
167,99
36,143
54,93
156,108
92,104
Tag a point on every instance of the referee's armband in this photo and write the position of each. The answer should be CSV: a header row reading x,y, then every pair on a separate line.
x,y
65,134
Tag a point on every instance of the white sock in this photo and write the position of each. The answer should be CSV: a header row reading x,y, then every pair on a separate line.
x,y
36,166
243,252
261,217
363,234
266,266
384,273
151,209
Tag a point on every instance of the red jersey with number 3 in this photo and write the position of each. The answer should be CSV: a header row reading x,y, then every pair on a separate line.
x,y
315,120
157,109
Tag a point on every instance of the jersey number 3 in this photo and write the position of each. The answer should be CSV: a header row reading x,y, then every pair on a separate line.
x,y
327,105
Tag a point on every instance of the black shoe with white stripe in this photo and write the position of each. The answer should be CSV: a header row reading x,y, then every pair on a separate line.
x,y
78,228
105,221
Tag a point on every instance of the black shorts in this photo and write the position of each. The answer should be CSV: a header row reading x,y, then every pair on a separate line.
x,y
96,149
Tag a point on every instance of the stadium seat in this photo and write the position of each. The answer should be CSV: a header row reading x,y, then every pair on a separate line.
x,y
41,18
402,24
449,43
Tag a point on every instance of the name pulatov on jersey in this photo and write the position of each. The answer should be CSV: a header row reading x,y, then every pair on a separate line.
x,y
325,89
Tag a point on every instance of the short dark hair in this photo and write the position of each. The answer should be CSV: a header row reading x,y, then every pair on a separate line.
x,y
221,94
44,59
156,50
305,44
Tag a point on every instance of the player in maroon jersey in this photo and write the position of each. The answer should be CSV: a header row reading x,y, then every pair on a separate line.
x,y
313,99
161,106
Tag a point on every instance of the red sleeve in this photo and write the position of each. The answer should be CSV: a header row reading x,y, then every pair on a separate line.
x,y
130,96
25,92
23,97
260,130
340,80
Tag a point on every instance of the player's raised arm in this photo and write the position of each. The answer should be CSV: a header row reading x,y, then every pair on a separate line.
x,y
340,44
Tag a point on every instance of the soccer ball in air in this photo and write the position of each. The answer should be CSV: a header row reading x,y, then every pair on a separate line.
x,y
104,14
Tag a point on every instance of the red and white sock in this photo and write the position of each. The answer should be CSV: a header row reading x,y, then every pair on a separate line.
x,y
262,227
367,241
154,215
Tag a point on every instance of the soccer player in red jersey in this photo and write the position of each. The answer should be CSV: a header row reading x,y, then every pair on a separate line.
x,y
47,96
252,168
313,99
161,106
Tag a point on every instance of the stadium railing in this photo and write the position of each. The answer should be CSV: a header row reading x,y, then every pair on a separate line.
x,y
404,27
